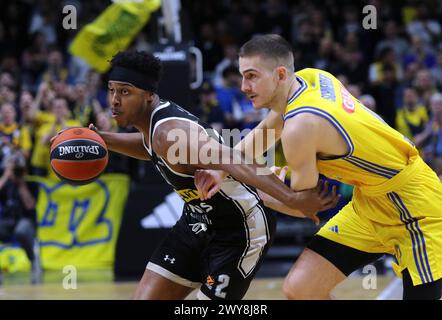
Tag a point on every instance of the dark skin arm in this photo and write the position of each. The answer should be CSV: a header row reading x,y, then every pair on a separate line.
x,y
193,141
129,144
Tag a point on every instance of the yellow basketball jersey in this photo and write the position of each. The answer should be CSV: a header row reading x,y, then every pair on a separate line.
x,y
376,152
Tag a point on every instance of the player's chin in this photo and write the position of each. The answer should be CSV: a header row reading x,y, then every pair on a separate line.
x,y
257,104
121,121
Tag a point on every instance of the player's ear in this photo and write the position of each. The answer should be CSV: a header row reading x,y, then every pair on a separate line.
x,y
148,96
282,73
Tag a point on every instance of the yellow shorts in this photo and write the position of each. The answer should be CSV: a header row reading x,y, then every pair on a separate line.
x,y
406,223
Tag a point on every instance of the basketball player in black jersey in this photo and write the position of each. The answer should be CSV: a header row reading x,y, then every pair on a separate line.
x,y
217,245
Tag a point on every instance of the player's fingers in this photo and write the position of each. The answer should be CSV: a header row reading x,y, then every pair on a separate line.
x,y
207,184
198,181
275,169
332,203
283,173
316,220
213,191
93,127
324,190
332,200
319,186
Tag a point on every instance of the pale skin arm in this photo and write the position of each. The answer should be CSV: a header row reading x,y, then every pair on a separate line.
x,y
273,121
300,137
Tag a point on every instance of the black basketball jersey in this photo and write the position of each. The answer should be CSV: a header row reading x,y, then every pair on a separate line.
x,y
230,206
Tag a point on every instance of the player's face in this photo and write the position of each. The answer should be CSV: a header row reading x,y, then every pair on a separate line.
x,y
259,81
126,102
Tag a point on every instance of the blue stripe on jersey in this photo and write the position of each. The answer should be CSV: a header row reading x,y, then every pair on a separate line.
x,y
327,116
393,172
372,167
300,90
367,168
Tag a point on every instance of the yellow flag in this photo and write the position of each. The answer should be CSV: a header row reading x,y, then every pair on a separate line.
x,y
111,32
79,225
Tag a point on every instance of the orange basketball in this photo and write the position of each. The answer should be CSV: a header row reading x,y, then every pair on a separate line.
x,y
78,155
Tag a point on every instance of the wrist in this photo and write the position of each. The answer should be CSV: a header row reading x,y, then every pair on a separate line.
x,y
293,200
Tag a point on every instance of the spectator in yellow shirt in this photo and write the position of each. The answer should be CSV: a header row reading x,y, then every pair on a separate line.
x,y
12,136
412,118
40,157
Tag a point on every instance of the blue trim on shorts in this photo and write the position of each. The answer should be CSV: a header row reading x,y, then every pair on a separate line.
x,y
416,238
420,233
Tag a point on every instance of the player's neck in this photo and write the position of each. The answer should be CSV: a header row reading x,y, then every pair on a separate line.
x,y
144,121
280,104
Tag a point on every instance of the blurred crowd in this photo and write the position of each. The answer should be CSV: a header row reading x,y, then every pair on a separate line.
x,y
395,69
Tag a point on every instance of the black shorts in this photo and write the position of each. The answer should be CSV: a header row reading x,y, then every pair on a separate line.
x,y
348,259
220,261
345,258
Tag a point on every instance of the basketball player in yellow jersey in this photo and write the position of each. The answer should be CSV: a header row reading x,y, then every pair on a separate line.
x,y
397,201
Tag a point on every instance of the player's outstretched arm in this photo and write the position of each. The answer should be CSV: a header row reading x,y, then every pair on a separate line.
x,y
321,188
129,144
208,181
272,122
184,143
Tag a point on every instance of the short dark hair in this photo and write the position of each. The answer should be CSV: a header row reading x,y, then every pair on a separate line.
x,y
269,46
139,61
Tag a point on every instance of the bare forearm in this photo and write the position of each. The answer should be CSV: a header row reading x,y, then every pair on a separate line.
x,y
263,137
277,205
129,144
257,142
268,182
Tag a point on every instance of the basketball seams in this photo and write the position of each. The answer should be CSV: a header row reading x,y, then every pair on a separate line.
x,y
79,138
79,171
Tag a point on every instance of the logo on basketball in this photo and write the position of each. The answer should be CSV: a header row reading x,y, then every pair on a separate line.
x,y
78,155
78,150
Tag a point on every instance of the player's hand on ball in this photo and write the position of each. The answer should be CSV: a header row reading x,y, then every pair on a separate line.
x,y
93,128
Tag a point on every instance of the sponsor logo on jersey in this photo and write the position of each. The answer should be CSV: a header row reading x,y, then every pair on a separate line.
x,y
334,229
188,194
347,101
210,281
327,88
